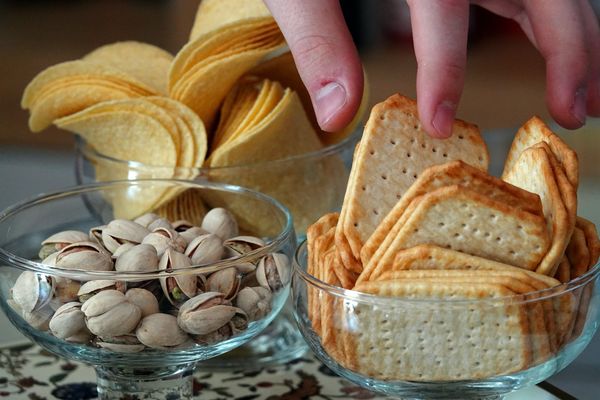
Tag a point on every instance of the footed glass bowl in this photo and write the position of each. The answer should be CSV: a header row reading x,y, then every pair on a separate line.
x,y
140,363
445,349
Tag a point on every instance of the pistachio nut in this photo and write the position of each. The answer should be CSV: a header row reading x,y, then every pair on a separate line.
x,y
240,245
109,313
139,258
121,231
190,234
32,291
65,290
88,256
59,240
91,288
164,238
273,271
179,288
144,299
221,334
226,281
68,320
205,249
205,313
159,223
146,219
160,331
122,249
255,301
220,222
122,344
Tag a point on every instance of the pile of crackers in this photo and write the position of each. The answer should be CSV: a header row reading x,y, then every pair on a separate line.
x,y
464,253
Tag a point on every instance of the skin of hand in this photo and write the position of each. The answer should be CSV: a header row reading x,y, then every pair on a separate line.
x,y
565,32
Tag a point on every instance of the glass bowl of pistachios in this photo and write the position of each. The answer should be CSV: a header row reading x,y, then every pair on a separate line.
x,y
144,279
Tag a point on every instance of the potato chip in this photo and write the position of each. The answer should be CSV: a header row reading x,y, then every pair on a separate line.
x,y
148,63
187,205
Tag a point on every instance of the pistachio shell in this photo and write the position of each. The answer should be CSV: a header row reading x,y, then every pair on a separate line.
x,y
184,286
95,234
59,240
65,290
205,313
68,320
103,302
122,348
192,233
255,301
205,249
160,331
32,291
159,223
221,334
226,281
139,258
120,231
119,320
39,319
220,222
163,238
122,249
50,260
146,219
89,289
144,299
88,256
273,271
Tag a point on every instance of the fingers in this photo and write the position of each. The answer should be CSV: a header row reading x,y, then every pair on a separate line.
x,y
559,30
440,39
592,35
325,56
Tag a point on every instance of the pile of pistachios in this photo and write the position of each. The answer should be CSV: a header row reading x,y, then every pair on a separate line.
x,y
161,313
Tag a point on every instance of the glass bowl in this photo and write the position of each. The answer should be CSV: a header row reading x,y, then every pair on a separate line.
x,y
442,349
125,368
309,185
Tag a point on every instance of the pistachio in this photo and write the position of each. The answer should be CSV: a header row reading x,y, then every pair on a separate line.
x,y
50,260
182,225
65,290
205,249
95,234
68,321
121,231
159,223
139,258
226,281
273,271
160,331
86,256
122,249
146,219
164,238
221,334
220,222
179,288
255,301
91,288
81,337
32,291
240,245
122,344
39,319
205,313
144,299
110,313
239,321
60,240
192,233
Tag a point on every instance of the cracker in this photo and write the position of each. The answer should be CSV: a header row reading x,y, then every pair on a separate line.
x,y
328,305
394,150
591,238
535,131
578,254
563,272
452,173
533,172
346,277
437,341
463,220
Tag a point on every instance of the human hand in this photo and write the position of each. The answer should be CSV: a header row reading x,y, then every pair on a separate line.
x,y
564,31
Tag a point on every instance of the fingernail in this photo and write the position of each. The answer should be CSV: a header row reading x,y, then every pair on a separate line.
x,y
329,100
444,118
578,109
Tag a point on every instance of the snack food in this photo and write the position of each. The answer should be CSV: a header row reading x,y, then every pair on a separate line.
x,y
474,262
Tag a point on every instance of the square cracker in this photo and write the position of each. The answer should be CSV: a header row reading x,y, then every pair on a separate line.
x,y
563,272
535,131
591,238
578,254
533,172
394,150
466,221
452,173
395,341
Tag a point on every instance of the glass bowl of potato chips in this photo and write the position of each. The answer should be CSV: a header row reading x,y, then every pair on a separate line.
x,y
144,298
419,335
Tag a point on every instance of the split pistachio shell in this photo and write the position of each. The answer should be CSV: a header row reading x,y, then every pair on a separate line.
x,y
122,249
86,256
59,240
221,334
89,289
32,291
255,301
177,288
163,238
273,271
128,343
139,258
68,321
220,222
226,281
192,233
50,260
159,223
146,219
144,299
205,249
121,231
239,321
160,331
65,290
205,313
110,313
95,234
240,245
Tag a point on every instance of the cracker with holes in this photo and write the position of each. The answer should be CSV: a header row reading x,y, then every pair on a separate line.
x,y
535,131
533,172
393,152
435,177
466,221
487,339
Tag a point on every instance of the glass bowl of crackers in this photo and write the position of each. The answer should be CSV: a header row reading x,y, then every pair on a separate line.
x,y
439,280
144,298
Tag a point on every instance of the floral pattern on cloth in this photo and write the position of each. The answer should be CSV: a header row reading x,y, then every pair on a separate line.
x,y
29,372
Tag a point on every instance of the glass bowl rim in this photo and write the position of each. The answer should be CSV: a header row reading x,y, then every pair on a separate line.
x,y
90,153
389,301
16,261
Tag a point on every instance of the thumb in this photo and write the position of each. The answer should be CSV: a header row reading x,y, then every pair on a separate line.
x,y
325,55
